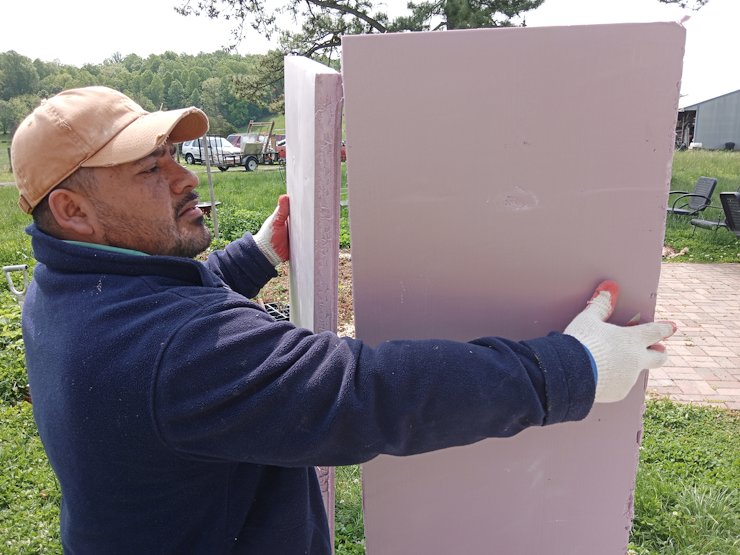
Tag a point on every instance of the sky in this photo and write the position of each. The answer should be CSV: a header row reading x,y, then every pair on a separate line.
x,y
89,31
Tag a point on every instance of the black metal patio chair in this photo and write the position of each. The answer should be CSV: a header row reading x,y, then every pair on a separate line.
x,y
731,206
692,203
731,212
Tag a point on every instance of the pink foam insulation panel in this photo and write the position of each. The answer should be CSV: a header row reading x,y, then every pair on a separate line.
x,y
313,118
313,121
495,178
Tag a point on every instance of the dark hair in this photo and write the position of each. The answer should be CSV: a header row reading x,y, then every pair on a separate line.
x,y
81,180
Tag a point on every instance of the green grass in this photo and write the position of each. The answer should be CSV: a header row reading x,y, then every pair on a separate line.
x,y
349,532
241,190
5,175
247,199
688,165
15,245
687,500
29,492
13,376
704,245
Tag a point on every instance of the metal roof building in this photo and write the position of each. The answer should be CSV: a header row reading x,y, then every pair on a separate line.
x,y
713,123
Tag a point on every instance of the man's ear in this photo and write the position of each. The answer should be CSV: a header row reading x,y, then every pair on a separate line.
x,y
74,214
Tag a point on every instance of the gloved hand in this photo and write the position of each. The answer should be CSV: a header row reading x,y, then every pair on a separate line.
x,y
620,352
272,238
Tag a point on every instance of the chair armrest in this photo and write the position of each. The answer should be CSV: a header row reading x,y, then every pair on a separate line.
x,y
688,195
677,192
708,224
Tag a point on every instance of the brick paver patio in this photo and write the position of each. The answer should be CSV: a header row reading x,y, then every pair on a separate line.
x,y
704,355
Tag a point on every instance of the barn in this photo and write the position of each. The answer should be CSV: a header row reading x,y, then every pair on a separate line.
x,y
713,123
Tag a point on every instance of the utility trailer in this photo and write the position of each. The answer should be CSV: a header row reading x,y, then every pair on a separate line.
x,y
257,144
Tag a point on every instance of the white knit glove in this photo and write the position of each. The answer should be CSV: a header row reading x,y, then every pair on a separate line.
x,y
272,238
620,353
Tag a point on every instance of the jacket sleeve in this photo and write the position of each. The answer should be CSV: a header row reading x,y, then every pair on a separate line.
x,y
235,385
242,266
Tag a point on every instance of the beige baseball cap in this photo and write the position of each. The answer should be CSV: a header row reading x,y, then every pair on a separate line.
x,y
90,127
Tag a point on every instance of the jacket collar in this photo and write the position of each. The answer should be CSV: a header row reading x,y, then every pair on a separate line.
x,y
62,256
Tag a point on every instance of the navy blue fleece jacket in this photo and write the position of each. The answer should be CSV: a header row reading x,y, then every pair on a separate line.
x,y
181,418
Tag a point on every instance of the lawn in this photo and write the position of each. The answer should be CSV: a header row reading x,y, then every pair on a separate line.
x,y
701,245
687,499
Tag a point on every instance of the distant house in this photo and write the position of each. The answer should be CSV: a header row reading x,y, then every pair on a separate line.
x,y
713,123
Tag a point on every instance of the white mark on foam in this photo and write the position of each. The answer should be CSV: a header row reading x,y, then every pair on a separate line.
x,y
518,199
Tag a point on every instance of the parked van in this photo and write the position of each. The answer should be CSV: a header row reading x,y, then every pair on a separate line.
x,y
222,153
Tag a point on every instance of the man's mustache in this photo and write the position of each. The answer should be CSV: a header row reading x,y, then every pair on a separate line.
x,y
191,196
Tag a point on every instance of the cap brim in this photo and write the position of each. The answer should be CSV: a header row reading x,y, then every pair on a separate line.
x,y
147,133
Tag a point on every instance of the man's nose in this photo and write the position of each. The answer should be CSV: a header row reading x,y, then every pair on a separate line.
x,y
182,179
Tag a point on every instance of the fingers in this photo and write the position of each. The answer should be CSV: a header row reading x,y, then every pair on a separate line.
x,y
280,240
283,210
604,300
655,358
655,332
650,335
284,202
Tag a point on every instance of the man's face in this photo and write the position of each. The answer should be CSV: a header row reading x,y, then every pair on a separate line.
x,y
149,206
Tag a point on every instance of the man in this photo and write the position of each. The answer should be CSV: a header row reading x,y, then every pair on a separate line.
x,y
178,415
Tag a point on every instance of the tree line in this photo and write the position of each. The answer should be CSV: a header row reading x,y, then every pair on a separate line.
x,y
230,88
162,81
323,23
